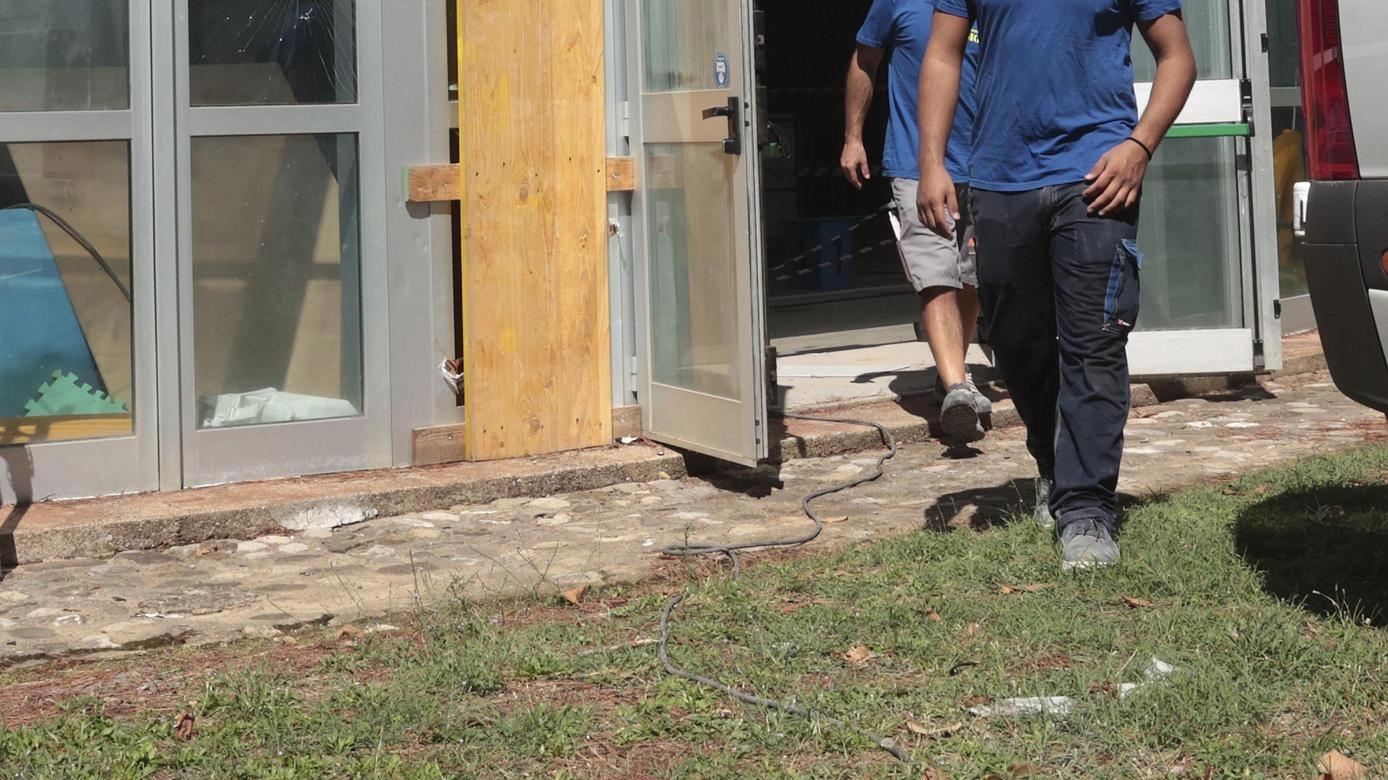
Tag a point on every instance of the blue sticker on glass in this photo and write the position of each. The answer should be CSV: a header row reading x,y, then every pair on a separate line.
x,y
721,75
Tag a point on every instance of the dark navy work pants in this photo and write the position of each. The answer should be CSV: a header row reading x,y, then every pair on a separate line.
x,y
1059,289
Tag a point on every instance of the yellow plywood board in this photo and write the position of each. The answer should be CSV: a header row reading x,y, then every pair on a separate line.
x,y
534,259
33,430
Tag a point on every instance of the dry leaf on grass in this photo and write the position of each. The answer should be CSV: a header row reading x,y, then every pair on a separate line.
x,y
1035,587
187,727
1023,770
575,595
350,634
932,614
1107,687
974,700
1137,603
971,631
859,654
939,731
1338,766
790,605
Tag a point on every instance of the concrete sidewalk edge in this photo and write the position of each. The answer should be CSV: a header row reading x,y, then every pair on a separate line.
x,y
107,527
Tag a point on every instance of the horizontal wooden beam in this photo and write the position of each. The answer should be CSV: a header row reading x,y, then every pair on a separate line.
x,y
621,174
443,183
438,444
435,183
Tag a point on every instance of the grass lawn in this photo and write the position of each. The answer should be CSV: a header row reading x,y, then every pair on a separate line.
x,y
1268,595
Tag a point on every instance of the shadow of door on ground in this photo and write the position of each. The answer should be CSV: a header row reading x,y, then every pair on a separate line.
x,y
1324,549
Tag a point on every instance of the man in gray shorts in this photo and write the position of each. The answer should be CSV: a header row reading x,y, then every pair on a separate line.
x,y
940,269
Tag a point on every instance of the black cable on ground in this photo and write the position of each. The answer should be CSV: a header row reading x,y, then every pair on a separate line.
x,y
80,239
732,551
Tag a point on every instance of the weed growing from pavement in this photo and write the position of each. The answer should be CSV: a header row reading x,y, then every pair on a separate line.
x,y
1267,594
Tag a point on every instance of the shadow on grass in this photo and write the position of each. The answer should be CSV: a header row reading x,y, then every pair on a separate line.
x,y
982,508
1325,550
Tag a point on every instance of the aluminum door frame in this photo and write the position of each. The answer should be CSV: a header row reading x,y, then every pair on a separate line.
x,y
122,464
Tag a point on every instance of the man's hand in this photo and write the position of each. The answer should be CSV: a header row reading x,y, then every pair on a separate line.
x,y
854,163
1116,180
937,201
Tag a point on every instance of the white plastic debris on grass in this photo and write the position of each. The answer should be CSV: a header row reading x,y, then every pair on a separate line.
x,y
1021,708
1059,706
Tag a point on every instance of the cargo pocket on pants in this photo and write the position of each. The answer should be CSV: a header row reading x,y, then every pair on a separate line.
x,y
1124,289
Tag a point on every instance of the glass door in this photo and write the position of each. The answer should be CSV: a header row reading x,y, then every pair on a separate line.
x,y
281,287
699,279
1205,226
77,388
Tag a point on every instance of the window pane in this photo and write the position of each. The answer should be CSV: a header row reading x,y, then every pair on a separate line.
x,y
65,357
1208,23
272,52
694,343
1192,278
64,55
277,279
1288,168
1284,57
686,45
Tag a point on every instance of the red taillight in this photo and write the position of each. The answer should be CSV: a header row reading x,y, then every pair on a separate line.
x,y
1329,137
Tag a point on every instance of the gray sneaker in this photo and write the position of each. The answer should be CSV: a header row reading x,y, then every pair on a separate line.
x,y
981,402
1086,543
1044,518
959,414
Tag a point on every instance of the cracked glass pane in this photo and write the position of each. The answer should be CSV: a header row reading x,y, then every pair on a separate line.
x,y
272,52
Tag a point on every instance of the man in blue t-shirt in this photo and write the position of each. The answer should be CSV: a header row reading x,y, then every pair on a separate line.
x,y
1059,154
940,269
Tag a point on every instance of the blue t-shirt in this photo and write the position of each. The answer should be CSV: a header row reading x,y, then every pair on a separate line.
x,y
1055,86
903,27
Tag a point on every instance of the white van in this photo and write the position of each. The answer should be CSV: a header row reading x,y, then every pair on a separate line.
x,y
1342,213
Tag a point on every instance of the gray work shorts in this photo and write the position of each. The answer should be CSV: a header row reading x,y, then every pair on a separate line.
x,y
931,260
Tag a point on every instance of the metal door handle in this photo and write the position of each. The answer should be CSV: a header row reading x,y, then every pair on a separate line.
x,y
733,111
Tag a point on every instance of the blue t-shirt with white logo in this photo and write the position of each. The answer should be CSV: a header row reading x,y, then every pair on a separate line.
x,y
1055,86
903,27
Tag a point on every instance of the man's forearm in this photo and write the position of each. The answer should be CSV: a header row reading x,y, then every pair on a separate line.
x,y
939,95
857,100
1170,90
1175,77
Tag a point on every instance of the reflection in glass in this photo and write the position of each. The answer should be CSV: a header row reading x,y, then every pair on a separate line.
x,y
683,44
65,311
272,52
1208,23
277,278
694,343
1189,232
1284,56
451,33
1288,168
64,55
1288,140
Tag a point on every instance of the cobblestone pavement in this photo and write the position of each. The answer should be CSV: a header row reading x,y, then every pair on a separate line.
x,y
220,591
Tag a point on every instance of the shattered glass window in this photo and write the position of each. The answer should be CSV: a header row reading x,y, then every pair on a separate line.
x,y
272,52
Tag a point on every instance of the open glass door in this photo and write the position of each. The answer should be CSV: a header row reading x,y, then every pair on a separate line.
x,y
1206,227
699,276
